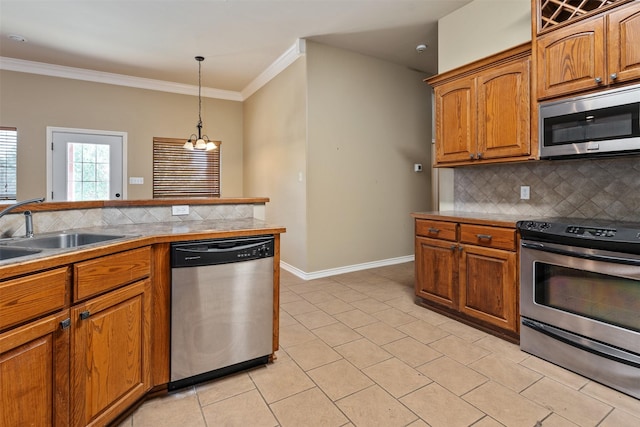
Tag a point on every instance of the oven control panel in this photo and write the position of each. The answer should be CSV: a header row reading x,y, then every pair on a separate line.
x,y
595,232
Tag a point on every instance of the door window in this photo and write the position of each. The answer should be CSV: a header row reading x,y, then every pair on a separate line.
x,y
86,165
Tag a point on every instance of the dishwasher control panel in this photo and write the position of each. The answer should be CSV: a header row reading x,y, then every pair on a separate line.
x,y
221,251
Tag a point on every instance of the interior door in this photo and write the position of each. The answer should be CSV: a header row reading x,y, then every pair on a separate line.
x,y
86,164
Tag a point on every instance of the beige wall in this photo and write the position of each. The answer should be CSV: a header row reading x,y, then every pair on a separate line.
x,y
275,130
332,141
480,29
369,122
475,31
32,102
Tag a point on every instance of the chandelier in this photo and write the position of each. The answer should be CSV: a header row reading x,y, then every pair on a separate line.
x,y
202,142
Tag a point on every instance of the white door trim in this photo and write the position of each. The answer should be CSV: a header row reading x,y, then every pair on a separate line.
x,y
49,157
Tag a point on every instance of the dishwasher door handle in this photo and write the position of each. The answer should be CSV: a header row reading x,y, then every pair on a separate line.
x,y
218,248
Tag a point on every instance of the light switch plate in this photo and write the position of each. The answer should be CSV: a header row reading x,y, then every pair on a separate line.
x,y
136,180
524,192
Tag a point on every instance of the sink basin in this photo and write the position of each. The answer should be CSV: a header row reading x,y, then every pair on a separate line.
x,y
9,252
63,240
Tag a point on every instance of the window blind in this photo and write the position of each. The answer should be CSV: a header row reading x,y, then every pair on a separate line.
x,y
179,173
8,163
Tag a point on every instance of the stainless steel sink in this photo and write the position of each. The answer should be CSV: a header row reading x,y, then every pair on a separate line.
x,y
10,252
63,240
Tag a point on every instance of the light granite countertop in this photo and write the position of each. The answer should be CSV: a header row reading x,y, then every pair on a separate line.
x,y
140,235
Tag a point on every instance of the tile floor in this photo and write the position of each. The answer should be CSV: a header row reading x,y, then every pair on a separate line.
x,y
356,351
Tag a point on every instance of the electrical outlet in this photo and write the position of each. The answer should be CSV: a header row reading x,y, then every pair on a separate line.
x,y
136,180
180,210
525,192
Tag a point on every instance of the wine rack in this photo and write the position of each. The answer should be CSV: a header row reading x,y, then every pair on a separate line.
x,y
554,12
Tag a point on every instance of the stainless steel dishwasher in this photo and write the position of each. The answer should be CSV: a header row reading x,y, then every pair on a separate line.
x,y
221,307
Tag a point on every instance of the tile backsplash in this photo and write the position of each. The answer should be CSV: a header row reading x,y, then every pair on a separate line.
x,y
583,188
48,221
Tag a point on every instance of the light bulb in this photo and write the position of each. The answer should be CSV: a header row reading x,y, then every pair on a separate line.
x,y
188,146
210,146
200,144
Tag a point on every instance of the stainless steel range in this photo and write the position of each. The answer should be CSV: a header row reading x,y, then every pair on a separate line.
x,y
580,297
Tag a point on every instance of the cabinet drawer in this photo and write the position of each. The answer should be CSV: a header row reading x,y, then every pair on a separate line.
x,y
436,229
494,237
109,272
32,296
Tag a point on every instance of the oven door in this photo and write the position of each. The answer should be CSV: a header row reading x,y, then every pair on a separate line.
x,y
593,295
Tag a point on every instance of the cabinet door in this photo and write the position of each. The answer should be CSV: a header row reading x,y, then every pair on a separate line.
x,y
34,374
436,271
455,121
571,59
503,111
488,287
110,346
624,43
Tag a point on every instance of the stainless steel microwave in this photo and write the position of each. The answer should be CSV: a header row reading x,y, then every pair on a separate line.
x,y
598,124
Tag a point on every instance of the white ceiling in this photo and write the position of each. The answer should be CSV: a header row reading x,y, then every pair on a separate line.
x,y
158,39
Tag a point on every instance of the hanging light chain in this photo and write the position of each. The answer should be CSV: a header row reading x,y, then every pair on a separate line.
x,y
202,141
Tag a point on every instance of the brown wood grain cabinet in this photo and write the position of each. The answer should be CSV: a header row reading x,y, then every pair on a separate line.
x,y
469,271
601,51
110,335
34,373
79,360
483,110
110,353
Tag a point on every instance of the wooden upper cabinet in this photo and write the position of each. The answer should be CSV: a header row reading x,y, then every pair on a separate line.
x,y
589,54
483,110
455,121
571,59
503,111
624,43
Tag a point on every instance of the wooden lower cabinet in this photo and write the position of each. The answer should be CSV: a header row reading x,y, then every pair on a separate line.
x,y
436,271
487,286
472,277
34,373
111,350
87,362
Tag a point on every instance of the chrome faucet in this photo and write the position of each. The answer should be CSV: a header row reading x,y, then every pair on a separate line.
x,y
27,214
28,224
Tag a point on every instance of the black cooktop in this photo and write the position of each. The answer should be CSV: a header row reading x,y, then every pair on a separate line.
x,y
597,233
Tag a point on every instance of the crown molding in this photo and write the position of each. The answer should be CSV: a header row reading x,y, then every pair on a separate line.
x,y
297,50
22,66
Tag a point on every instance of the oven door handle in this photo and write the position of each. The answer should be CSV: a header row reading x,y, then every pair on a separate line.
x,y
605,258
583,343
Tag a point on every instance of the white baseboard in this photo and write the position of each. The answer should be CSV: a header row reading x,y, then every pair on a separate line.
x,y
346,269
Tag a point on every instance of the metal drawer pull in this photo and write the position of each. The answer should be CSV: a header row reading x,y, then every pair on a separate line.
x,y
453,247
433,230
65,323
484,236
85,315
614,76
598,80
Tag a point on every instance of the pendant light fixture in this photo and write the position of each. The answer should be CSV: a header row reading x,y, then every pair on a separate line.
x,y
202,142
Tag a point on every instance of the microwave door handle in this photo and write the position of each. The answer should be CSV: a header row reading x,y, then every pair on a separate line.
x,y
594,257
